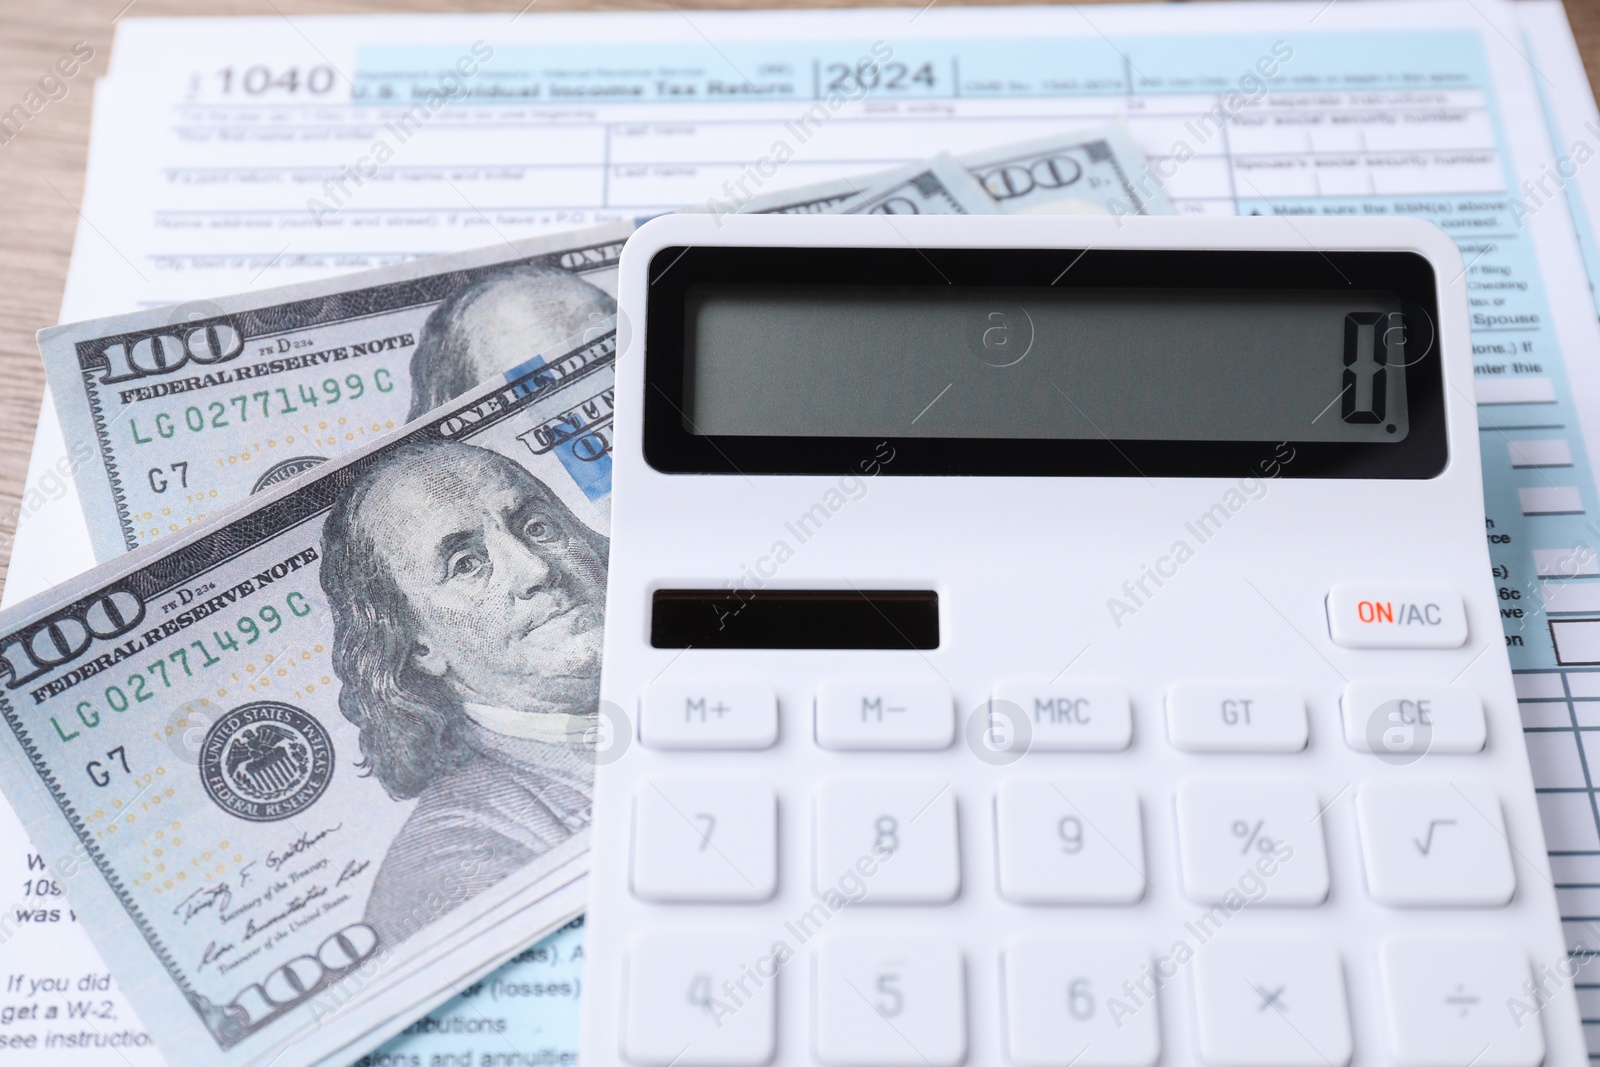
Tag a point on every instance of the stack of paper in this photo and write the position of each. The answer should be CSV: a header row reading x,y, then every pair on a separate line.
x,y
231,156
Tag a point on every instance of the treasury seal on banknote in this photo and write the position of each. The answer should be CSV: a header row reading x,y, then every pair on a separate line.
x,y
266,761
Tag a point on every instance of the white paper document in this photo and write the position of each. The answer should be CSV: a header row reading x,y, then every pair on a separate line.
x,y
238,154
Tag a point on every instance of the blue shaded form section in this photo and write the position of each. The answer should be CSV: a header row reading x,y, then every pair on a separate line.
x,y
1512,337
997,68
1587,247
677,73
523,1015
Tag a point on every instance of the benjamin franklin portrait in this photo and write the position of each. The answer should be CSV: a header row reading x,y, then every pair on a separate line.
x,y
497,322
468,603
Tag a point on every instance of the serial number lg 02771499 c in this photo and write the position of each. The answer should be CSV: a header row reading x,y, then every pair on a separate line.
x,y
215,414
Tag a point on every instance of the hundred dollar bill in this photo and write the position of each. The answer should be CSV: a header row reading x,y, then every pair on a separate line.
x,y
191,408
1092,171
312,763
1095,171
938,186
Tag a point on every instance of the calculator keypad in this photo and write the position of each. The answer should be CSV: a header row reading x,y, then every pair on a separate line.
x,y
885,993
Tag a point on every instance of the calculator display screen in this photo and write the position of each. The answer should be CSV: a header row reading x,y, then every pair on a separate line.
x,y
1031,363
1053,362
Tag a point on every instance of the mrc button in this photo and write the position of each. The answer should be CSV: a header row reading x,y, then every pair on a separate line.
x,y
1396,616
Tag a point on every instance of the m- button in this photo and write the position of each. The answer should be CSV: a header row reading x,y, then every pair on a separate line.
x,y
1396,616
885,715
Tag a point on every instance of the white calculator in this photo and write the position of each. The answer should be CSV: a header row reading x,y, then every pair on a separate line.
x,y
1058,642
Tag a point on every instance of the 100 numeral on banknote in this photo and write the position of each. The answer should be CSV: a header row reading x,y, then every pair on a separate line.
x,y
392,665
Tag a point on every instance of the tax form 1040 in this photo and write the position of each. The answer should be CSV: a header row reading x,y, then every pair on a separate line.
x,y
216,142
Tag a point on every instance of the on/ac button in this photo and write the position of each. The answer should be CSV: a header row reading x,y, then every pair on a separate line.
x,y
1396,616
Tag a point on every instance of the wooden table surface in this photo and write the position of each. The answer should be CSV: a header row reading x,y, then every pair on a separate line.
x,y
41,170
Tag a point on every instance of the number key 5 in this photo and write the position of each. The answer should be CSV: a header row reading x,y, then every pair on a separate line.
x,y
890,1002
